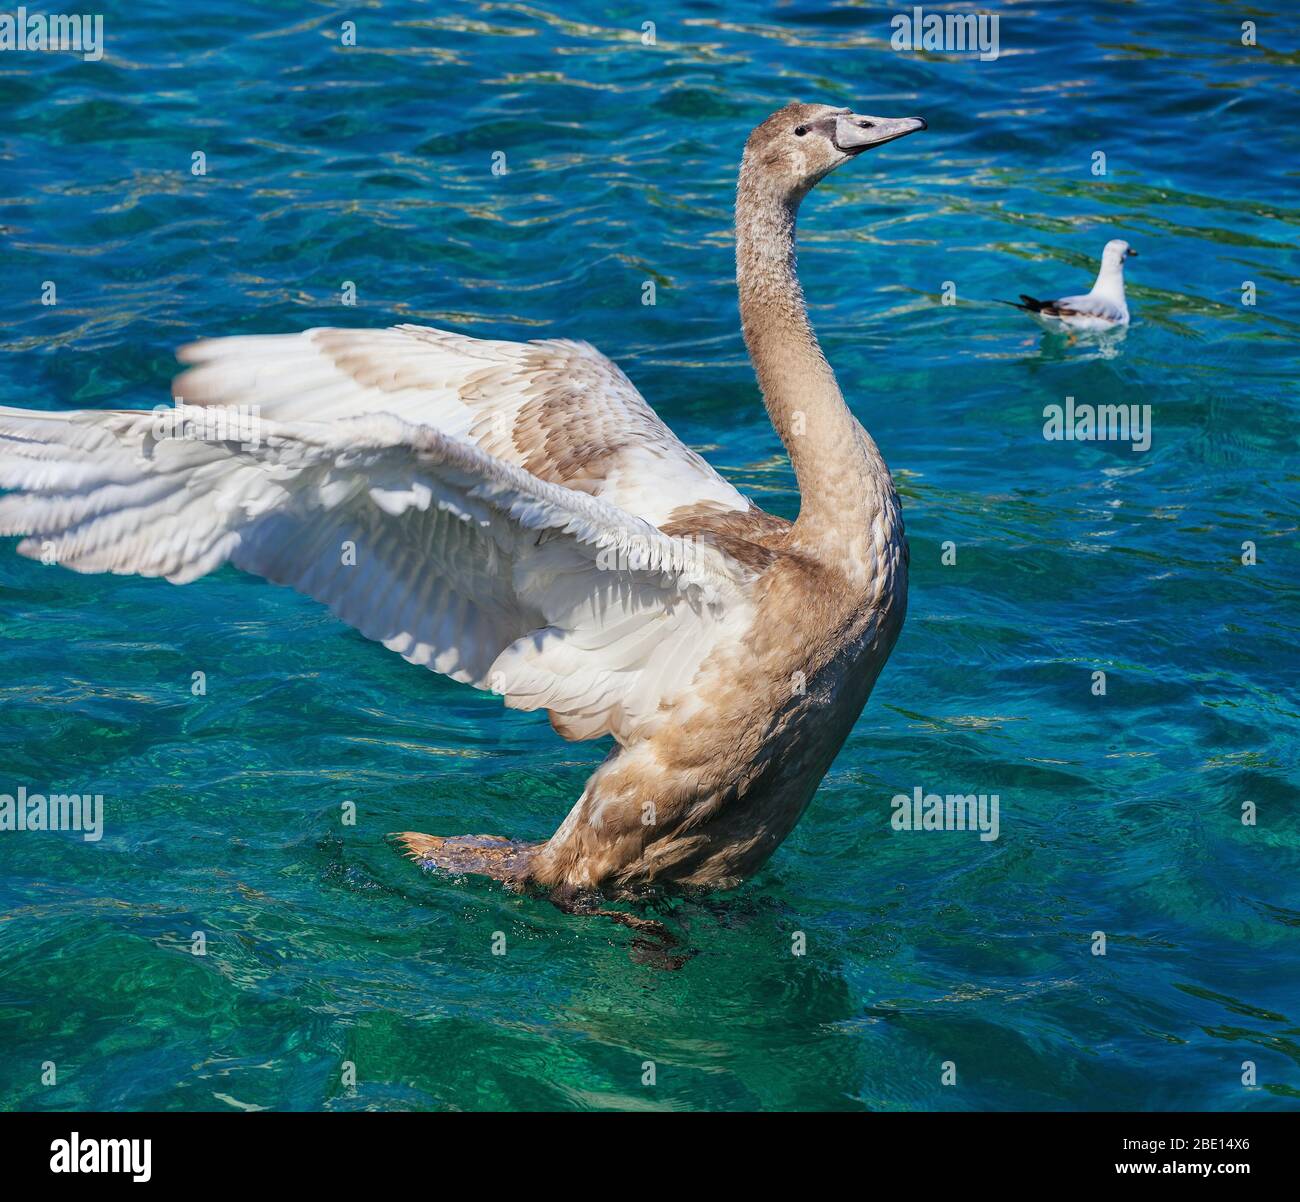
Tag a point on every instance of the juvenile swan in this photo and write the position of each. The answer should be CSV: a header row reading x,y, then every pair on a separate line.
x,y
515,516
1101,309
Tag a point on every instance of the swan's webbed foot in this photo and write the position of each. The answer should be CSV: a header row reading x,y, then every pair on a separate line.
x,y
654,942
510,862
484,855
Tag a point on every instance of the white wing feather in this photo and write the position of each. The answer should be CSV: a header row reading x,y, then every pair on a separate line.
x,y
554,598
560,409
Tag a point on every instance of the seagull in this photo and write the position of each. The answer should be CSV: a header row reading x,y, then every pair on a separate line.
x,y
1101,309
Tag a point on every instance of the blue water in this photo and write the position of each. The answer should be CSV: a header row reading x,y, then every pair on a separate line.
x,y
1119,813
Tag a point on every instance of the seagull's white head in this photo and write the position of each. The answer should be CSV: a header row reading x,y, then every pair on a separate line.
x,y
801,144
1117,250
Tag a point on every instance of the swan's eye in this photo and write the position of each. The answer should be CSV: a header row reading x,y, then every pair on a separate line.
x,y
800,130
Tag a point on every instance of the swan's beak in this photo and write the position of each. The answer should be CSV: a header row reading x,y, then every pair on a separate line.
x,y
855,132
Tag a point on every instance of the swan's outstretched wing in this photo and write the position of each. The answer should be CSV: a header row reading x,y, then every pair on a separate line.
x,y
553,598
559,409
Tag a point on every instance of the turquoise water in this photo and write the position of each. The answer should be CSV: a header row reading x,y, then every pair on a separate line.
x,y
1119,814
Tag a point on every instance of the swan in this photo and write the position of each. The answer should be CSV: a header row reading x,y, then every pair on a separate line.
x,y
516,517
1103,308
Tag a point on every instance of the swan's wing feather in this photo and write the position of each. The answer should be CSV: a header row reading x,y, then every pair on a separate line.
x,y
560,409
473,567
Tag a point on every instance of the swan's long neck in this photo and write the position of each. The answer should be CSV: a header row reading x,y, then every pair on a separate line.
x,y
843,482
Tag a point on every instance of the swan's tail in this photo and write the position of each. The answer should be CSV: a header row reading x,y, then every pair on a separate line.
x,y
484,855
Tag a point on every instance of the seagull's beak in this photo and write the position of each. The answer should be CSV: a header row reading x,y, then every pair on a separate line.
x,y
1130,253
855,132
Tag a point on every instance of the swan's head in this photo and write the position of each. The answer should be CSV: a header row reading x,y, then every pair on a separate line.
x,y
801,144
1115,252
